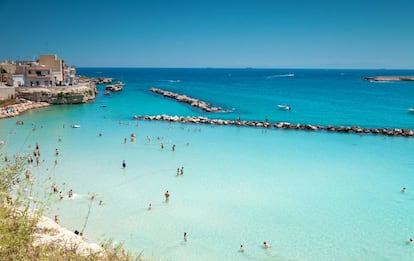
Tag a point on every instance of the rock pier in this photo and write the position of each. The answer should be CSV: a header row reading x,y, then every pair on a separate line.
x,y
389,78
185,99
280,125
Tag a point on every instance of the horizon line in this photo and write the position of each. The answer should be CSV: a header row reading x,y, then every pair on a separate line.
x,y
247,67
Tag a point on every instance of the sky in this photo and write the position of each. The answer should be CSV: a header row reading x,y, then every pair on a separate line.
x,y
211,33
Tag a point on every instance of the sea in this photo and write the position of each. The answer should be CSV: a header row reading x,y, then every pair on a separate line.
x,y
310,195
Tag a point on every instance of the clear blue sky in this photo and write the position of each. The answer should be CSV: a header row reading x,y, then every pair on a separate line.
x,y
212,33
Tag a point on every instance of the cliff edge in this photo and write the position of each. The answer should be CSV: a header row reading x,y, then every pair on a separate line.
x,y
81,93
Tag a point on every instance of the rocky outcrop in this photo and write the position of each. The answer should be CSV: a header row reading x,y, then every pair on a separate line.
x,y
280,125
81,93
185,99
48,232
389,78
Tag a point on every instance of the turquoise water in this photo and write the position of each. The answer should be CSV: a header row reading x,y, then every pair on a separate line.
x,y
312,196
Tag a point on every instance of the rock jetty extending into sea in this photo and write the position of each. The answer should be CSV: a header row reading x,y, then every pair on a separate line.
x,y
280,125
185,99
389,78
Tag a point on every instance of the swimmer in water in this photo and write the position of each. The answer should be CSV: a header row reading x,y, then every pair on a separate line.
x,y
185,236
403,190
123,164
241,248
266,245
149,206
167,195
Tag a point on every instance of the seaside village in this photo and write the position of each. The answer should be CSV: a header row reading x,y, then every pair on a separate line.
x,y
34,84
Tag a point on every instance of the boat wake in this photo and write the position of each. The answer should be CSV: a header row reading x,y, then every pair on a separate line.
x,y
280,75
171,81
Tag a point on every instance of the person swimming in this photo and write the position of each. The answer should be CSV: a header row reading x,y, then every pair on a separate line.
x,y
241,248
266,245
123,164
403,190
185,236
167,195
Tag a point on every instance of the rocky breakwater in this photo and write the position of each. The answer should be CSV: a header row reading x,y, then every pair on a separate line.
x,y
389,78
80,93
280,125
185,99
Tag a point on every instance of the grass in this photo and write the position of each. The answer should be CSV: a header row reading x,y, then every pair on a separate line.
x,y
18,224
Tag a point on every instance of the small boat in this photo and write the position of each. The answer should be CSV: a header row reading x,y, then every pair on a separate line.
x,y
75,126
411,110
284,107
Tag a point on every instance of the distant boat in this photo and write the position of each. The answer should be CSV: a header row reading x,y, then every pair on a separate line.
x,y
75,126
284,107
411,109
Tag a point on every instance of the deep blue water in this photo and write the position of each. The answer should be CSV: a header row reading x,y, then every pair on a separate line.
x,y
320,97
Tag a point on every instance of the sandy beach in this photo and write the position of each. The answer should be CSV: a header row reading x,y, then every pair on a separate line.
x,y
19,108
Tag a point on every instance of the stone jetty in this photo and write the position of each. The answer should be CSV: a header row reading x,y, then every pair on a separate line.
x,y
280,125
389,78
185,99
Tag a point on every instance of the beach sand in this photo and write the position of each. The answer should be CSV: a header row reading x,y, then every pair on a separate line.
x,y
17,109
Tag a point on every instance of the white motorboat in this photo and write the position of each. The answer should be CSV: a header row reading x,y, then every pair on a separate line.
x,y
284,107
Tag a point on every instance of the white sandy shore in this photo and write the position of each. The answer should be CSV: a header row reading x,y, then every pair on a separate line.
x,y
48,232
19,108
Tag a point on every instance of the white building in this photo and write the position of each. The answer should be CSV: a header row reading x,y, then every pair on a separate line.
x,y
18,78
69,75
39,76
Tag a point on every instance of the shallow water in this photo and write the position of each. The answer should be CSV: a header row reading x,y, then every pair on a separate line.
x,y
312,196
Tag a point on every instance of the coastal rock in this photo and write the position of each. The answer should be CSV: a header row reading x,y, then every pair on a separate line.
x,y
185,99
81,93
48,232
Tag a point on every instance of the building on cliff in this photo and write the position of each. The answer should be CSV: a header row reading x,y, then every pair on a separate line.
x,y
47,71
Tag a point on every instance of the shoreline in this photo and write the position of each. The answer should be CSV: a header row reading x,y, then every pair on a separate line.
x,y
19,108
48,232
402,132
